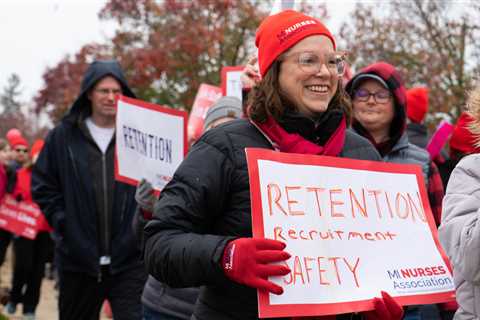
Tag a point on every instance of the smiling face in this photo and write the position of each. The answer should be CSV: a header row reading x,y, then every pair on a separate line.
x,y
309,92
373,116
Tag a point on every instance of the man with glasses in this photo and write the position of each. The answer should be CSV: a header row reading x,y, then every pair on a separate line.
x,y
91,213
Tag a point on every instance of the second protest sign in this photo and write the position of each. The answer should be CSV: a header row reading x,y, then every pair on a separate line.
x,y
151,142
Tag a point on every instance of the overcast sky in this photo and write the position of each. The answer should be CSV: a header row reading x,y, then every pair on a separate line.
x,y
35,34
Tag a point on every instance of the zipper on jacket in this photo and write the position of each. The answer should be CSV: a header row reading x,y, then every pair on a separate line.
x,y
105,205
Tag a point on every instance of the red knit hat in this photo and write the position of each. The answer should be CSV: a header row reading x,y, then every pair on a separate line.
x,y
278,32
463,139
36,147
417,104
18,141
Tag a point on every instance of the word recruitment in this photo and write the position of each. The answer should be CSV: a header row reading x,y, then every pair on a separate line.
x,y
148,145
342,203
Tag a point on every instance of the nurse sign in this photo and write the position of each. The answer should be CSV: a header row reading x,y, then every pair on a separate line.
x,y
352,227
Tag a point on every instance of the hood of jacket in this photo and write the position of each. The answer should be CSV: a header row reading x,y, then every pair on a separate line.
x,y
95,72
394,81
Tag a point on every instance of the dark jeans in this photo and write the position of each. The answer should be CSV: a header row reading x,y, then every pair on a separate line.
x,y
29,265
150,314
5,238
81,295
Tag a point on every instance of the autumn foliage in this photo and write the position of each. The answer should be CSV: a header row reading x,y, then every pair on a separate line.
x,y
431,42
167,49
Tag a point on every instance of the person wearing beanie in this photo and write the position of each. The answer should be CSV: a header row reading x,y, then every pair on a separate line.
x,y
459,231
379,109
461,144
73,182
19,145
30,255
417,108
203,216
224,110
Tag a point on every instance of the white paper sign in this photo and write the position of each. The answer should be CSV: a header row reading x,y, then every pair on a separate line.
x,y
150,142
234,84
352,231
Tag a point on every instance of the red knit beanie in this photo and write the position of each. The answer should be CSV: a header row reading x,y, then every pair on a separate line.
x,y
278,32
417,104
463,139
18,141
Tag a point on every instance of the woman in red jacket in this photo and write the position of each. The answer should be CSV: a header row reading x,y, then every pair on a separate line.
x,y
30,255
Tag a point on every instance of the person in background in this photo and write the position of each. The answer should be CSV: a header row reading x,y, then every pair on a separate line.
x,y
30,255
161,302
417,108
224,110
201,232
5,158
459,231
379,109
90,212
461,144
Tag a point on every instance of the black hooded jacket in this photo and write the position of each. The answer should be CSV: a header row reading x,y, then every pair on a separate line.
x,y
73,184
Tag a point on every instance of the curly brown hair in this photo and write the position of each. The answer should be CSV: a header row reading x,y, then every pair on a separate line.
x,y
266,98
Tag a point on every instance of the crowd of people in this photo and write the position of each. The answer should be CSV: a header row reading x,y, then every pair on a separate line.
x,y
189,253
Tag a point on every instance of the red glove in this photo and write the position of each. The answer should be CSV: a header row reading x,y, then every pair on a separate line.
x,y
247,261
386,308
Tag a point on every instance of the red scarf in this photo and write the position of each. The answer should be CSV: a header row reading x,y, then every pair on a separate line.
x,y
295,143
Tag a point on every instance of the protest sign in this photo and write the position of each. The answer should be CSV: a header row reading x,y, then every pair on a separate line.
x,y
206,96
439,138
22,218
353,228
231,82
150,142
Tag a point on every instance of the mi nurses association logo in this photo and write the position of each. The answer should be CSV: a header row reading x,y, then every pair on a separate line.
x,y
420,279
294,29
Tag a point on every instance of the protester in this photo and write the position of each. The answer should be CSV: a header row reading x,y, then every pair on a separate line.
x,y
379,109
30,255
224,110
378,98
459,232
417,108
91,213
5,158
299,106
159,300
461,144
18,147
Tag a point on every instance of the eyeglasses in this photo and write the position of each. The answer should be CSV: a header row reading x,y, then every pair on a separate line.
x,y
312,63
363,95
21,150
106,92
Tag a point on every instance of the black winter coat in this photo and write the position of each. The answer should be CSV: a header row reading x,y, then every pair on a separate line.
x,y
207,204
66,184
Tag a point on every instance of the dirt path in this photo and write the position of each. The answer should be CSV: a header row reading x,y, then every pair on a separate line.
x,y
47,308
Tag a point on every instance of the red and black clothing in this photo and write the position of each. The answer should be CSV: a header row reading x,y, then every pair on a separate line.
x,y
206,205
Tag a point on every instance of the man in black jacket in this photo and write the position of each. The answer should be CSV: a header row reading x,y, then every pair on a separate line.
x,y
91,213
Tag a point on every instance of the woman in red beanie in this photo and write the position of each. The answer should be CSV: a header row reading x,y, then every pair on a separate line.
x,y
30,255
201,232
